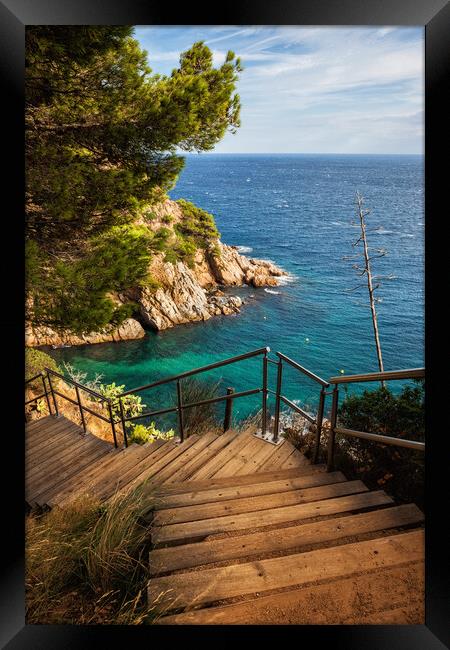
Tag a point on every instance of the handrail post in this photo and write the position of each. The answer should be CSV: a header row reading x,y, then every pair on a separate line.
x,y
53,393
319,424
81,408
46,393
264,397
228,411
113,427
180,411
276,424
122,417
332,436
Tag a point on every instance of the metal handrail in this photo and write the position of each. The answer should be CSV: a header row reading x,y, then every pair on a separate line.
x,y
411,373
305,371
82,407
196,371
282,358
179,408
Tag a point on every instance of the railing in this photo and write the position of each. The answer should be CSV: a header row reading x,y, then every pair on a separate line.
x,y
82,407
413,373
231,395
282,358
181,407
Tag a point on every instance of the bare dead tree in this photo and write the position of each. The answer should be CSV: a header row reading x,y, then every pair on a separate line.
x,y
364,269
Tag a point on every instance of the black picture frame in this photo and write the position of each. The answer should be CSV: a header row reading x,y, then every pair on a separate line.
x,y
434,15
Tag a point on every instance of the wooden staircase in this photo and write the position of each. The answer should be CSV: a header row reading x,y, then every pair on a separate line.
x,y
245,532
297,546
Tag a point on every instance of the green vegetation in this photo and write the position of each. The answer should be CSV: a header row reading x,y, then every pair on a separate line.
x,y
36,362
141,434
87,563
102,132
397,470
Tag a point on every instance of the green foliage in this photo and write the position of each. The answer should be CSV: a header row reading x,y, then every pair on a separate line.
x,y
132,404
102,135
35,362
141,434
399,470
197,224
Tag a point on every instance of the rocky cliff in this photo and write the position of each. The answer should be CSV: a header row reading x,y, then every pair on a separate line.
x,y
184,293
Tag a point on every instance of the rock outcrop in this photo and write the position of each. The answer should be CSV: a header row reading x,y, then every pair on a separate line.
x,y
36,336
185,293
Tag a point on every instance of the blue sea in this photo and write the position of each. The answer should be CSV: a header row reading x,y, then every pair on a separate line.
x,y
297,211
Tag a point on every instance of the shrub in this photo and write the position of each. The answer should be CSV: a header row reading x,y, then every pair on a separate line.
x,y
86,563
200,419
35,362
196,224
141,434
398,470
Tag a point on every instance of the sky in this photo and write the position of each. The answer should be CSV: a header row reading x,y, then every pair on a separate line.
x,y
313,89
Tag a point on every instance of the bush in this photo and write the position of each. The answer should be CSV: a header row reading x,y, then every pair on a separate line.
x,y
197,224
87,563
398,470
35,362
141,434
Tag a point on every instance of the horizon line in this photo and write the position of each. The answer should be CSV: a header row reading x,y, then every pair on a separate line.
x,y
296,153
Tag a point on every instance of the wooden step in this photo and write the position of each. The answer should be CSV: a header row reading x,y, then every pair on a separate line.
x,y
282,453
389,595
256,461
256,503
93,481
211,585
63,432
198,530
296,459
188,454
62,457
211,467
234,481
143,471
59,475
78,482
203,457
241,458
195,497
286,540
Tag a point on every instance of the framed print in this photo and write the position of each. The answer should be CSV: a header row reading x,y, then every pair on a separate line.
x,y
227,284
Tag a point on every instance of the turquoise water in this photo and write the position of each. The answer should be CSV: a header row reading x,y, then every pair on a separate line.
x,y
295,210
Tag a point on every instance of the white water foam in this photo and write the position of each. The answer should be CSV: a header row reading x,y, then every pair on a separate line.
x,y
275,293
287,279
244,249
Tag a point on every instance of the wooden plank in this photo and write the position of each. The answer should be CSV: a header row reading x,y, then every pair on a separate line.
x,y
61,432
251,490
211,585
255,462
47,427
61,457
356,600
295,460
61,438
408,614
201,444
35,426
209,469
146,469
233,481
203,457
256,503
58,479
240,459
83,479
281,454
61,470
93,481
281,539
198,530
